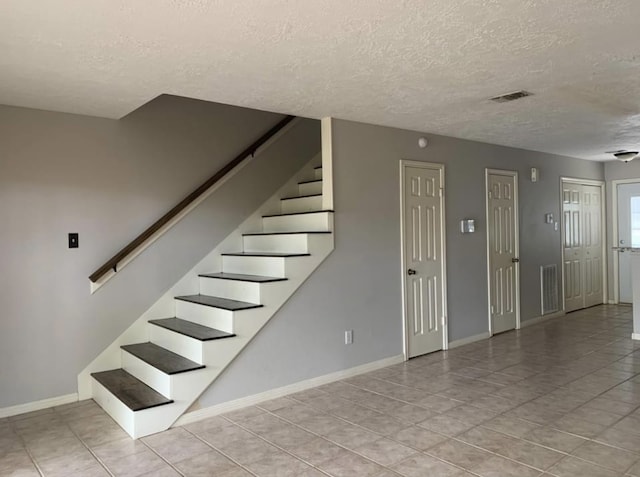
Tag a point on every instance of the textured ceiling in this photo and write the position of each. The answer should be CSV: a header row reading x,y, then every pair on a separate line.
x,y
422,65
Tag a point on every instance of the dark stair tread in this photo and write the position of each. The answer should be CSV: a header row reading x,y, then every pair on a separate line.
x,y
310,182
135,394
266,254
301,196
288,233
242,278
191,329
217,302
298,213
162,359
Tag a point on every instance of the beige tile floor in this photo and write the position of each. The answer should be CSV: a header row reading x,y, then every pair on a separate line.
x,y
559,398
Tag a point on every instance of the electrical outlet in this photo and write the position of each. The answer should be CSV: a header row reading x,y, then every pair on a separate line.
x,y
348,337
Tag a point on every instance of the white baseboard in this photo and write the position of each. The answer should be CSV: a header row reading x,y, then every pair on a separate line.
x,y
540,319
469,340
229,406
635,336
37,405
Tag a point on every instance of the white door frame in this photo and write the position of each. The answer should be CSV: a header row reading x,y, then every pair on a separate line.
x,y
603,232
443,253
516,194
614,235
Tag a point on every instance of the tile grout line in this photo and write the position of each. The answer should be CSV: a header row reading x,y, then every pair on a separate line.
x,y
89,449
220,451
26,449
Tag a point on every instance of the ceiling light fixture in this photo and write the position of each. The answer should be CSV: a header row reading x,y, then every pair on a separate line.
x,y
626,156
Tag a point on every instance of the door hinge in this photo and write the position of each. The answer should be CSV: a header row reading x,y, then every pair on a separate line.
x,y
492,310
489,194
444,320
441,191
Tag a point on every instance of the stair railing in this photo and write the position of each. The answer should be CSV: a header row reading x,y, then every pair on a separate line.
x,y
111,265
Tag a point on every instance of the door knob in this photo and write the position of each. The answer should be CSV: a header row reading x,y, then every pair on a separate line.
x,y
411,271
515,260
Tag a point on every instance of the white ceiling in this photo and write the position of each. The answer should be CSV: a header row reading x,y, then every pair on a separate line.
x,y
422,65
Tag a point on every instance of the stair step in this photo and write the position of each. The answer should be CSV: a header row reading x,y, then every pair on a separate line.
x,y
297,213
265,254
217,302
131,391
288,233
161,358
191,329
310,187
306,203
301,196
242,277
321,221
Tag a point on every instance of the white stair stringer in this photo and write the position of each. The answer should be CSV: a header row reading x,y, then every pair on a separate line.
x,y
272,234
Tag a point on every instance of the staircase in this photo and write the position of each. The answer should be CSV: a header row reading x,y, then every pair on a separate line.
x,y
160,378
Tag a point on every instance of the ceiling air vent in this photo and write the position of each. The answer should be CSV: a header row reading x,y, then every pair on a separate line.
x,y
505,98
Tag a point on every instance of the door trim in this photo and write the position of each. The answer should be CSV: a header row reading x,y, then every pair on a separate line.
x,y
514,174
615,262
603,226
443,253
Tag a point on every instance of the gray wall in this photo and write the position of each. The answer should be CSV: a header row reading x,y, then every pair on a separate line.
x,y
616,170
358,287
108,180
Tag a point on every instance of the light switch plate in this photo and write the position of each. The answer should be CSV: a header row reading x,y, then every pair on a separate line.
x,y
73,240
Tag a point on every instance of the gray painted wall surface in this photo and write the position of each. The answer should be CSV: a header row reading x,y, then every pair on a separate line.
x,y
108,180
358,286
616,170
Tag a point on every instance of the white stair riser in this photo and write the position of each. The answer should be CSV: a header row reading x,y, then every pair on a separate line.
x,y
319,222
310,188
205,315
294,243
146,373
148,421
266,266
232,289
317,173
302,204
180,344
120,413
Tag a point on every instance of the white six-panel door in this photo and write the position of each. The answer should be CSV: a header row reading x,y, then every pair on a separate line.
x,y
502,247
423,257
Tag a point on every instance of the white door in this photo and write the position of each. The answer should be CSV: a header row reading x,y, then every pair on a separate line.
x,y
582,245
573,250
423,220
628,234
592,244
502,245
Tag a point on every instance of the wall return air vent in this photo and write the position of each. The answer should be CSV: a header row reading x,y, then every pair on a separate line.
x,y
505,98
